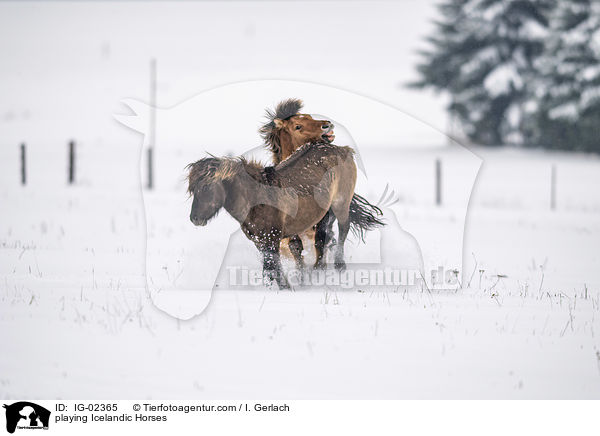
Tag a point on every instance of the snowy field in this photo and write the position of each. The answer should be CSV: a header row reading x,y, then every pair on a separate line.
x,y
76,320
91,274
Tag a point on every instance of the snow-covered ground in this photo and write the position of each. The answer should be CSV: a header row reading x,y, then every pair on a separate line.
x,y
76,321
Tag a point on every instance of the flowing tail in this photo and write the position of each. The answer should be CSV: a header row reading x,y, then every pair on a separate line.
x,y
363,216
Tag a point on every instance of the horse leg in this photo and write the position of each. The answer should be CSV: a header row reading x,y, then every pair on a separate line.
x,y
296,247
330,217
272,263
323,235
342,216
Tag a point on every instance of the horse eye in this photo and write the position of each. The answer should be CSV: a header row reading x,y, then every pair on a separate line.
x,y
298,127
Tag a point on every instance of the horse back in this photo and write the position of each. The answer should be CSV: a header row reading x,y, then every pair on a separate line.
x,y
312,164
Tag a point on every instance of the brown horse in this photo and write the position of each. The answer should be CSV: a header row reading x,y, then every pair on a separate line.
x,y
277,202
286,130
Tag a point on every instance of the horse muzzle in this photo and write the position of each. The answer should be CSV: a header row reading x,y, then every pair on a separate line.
x,y
198,221
328,134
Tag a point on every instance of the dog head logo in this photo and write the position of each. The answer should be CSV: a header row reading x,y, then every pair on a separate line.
x,y
26,415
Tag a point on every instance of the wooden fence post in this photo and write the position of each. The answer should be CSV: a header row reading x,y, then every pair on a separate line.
x,y
553,188
150,168
152,138
23,165
71,162
438,182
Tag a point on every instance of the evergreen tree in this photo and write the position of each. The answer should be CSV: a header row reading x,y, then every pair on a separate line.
x,y
483,55
569,113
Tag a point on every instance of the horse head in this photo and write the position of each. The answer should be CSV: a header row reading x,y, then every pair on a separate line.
x,y
288,129
205,183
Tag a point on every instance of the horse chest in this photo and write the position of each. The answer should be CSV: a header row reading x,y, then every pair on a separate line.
x,y
263,222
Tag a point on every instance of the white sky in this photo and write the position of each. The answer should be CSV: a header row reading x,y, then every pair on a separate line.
x,y
66,66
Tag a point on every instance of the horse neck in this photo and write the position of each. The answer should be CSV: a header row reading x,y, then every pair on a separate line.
x,y
286,147
234,199
245,192
242,193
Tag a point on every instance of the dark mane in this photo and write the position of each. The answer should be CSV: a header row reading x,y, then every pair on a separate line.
x,y
284,110
301,151
214,169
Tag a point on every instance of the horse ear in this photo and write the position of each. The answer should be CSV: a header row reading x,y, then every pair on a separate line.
x,y
278,123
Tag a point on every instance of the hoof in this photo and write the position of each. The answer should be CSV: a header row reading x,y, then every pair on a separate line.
x,y
340,266
270,284
272,277
320,265
282,281
297,277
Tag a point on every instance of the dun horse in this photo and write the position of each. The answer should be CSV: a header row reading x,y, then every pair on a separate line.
x,y
277,202
286,130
